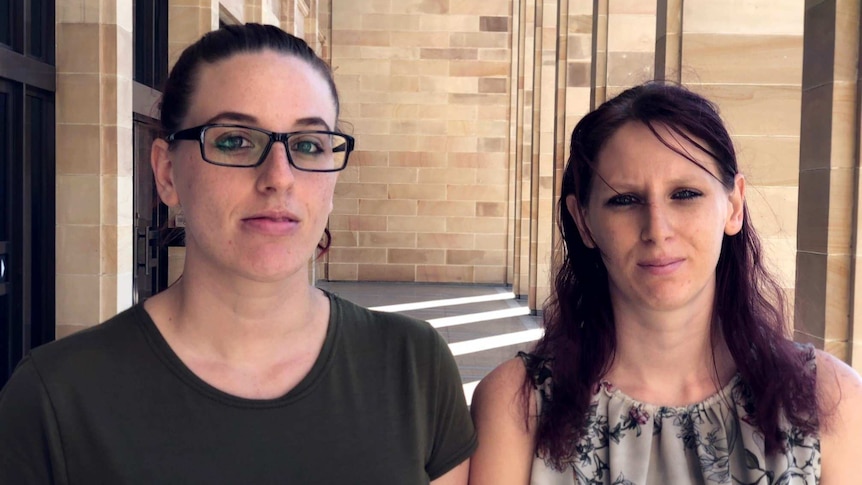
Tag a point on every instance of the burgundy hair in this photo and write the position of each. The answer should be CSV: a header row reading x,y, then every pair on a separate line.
x,y
749,308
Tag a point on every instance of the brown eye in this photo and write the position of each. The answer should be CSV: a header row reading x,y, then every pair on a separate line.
x,y
623,200
686,194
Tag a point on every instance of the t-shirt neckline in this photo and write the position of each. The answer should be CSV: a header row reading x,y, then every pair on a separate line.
x,y
174,364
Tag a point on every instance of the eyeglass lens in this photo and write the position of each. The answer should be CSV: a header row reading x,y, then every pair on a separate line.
x,y
241,146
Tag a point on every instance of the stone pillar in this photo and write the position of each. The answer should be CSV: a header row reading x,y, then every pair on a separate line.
x,y
547,122
188,20
551,85
600,54
253,10
574,95
828,273
624,50
523,119
759,96
94,162
668,42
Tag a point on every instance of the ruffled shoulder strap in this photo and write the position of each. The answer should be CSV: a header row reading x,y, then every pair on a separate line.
x,y
810,356
538,368
539,371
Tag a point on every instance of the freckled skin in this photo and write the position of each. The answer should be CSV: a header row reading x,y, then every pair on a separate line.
x,y
277,90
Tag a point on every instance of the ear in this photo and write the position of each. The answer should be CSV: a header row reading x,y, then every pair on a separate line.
x,y
736,206
578,215
163,171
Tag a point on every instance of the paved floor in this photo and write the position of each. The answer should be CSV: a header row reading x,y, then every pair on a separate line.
x,y
484,325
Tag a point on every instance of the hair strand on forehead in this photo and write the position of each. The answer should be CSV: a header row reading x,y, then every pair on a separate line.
x,y
680,149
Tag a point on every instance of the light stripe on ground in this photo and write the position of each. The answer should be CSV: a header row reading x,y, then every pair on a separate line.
x,y
419,305
468,391
478,317
497,341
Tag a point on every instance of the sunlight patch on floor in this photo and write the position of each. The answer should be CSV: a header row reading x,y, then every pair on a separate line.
x,y
421,305
478,317
496,341
469,388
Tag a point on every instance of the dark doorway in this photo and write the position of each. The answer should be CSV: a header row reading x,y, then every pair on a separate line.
x,y
27,179
152,235
151,231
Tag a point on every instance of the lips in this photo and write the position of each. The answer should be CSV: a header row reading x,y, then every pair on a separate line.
x,y
661,266
276,223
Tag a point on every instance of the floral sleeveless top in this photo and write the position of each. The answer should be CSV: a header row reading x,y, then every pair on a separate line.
x,y
712,442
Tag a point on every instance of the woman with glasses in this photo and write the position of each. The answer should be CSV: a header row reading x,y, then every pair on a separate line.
x,y
242,371
665,358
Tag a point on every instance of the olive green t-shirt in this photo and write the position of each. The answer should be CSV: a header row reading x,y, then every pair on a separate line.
x,y
383,404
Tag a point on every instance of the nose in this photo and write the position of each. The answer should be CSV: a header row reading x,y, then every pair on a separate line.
x,y
657,224
275,173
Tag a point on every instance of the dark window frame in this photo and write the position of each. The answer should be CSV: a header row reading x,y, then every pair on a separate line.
x,y
150,50
12,305
28,77
30,28
41,157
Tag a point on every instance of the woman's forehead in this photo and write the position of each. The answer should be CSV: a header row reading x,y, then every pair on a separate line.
x,y
264,84
636,148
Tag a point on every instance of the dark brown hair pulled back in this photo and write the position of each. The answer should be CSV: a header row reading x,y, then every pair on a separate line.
x,y
221,44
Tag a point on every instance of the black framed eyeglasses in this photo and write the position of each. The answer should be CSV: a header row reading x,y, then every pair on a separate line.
x,y
245,146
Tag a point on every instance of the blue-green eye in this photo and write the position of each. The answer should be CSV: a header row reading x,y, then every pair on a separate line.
x,y
306,147
228,143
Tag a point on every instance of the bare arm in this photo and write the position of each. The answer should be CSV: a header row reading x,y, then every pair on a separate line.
x,y
506,437
455,476
840,390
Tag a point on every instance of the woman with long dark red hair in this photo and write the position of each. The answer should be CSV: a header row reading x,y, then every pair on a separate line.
x,y
665,358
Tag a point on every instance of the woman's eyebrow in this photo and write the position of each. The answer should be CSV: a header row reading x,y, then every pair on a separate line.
x,y
232,116
312,121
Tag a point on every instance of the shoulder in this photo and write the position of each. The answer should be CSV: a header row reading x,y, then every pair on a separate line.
x,y
370,338
838,385
839,389
499,396
116,327
506,424
360,320
100,346
74,364
504,384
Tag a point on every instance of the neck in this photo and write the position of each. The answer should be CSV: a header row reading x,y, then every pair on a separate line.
x,y
238,319
669,358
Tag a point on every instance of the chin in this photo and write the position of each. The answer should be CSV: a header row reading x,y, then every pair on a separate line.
x,y
669,300
273,272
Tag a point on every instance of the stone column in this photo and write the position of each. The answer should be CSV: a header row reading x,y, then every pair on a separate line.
x,y
759,96
624,46
668,42
551,82
188,20
827,258
253,10
94,162
523,119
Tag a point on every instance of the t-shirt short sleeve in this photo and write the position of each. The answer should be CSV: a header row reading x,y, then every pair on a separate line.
x,y
454,435
30,446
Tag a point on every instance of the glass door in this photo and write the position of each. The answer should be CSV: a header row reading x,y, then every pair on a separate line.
x,y
10,262
27,179
151,231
